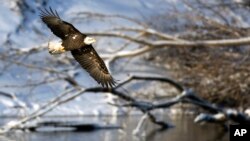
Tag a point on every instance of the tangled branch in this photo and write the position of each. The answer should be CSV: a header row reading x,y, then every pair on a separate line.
x,y
186,96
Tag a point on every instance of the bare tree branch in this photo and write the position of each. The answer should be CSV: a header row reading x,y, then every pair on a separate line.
x,y
162,43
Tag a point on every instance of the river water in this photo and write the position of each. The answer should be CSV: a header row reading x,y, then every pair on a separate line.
x,y
184,130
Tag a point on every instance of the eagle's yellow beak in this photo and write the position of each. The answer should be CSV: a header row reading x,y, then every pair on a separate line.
x,y
89,41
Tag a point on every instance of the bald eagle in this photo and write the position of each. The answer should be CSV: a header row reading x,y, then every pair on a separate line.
x,y
80,46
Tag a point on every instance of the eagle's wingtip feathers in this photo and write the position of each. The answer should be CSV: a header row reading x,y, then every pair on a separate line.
x,y
111,83
44,12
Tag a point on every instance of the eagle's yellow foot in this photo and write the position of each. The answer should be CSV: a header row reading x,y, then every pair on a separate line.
x,y
56,48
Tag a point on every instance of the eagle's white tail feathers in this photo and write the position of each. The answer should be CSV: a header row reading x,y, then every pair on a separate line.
x,y
55,48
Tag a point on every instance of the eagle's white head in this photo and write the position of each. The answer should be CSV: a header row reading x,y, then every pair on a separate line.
x,y
89,40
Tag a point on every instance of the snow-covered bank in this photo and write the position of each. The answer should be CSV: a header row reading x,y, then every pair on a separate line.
x,y
21,28
34,78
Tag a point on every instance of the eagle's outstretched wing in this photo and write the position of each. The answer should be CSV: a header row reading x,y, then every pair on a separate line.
x,y
88,58
59,27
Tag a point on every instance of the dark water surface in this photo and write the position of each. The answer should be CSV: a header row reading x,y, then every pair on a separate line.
x,y
184,130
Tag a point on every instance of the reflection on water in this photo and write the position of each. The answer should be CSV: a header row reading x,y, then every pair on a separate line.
x,y
184,130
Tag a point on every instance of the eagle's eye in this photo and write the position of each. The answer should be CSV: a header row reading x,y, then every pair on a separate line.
x,y
89,41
